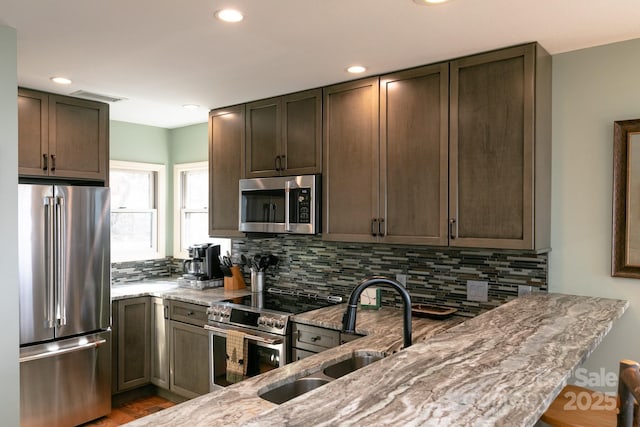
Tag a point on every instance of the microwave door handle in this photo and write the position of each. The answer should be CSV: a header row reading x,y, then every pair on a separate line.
x,y
287,206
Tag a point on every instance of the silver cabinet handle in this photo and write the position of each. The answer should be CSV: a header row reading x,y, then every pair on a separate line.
x,y
62,351
381,227
248,336
374,227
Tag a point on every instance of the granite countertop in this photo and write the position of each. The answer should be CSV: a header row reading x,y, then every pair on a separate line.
x,y
168,288
503,367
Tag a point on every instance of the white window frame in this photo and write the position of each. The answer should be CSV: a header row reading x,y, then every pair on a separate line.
x,y
160,223
179,212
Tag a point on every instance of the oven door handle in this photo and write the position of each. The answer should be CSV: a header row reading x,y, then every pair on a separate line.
x,y
270,341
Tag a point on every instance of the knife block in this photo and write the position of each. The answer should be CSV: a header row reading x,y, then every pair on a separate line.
x,y
236,281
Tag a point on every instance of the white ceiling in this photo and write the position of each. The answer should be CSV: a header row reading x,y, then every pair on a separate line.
x,y
161,54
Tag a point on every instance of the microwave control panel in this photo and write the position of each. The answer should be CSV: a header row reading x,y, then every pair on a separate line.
x,y
302,202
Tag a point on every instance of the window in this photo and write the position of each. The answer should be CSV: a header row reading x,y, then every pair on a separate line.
x,y
137,211
191,209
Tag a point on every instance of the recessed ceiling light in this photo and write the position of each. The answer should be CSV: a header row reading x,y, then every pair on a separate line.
x,y
191,106
429,2
61,80
229,15
356,69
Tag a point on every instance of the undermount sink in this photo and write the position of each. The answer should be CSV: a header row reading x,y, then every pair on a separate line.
x,y
354,363
290,390
303,385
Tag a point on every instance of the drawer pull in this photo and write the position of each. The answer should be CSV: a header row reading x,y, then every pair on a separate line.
x,y
317,338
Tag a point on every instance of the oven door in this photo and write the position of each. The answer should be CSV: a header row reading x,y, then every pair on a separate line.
x,y
266,352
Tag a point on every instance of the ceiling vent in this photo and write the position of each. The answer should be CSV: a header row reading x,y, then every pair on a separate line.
x,y
96,96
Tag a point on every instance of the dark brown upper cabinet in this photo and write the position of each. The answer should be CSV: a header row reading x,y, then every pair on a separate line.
x,y
226,151
62,137
500,145
414,155
351,162
284,135
386,154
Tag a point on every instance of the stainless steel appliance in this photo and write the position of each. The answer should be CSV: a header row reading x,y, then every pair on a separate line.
x,y
64,278
287,204
264,319
203,263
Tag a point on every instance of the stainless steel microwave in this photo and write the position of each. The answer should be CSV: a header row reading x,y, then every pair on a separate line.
x,y
286,204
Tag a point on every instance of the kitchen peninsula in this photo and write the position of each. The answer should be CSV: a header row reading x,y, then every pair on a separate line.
x,y
503,367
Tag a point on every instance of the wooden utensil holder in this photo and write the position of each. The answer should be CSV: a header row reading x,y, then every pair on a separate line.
x,y
236,281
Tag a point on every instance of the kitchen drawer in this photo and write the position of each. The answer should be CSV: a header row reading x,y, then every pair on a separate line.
x,y
297,354
189,313
345,338
313,338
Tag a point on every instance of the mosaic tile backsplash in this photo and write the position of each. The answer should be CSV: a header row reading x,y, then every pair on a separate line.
x,y
436,276
122,272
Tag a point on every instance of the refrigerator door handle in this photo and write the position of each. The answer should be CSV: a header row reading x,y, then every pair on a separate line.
x,y
49,206
52,353
61,233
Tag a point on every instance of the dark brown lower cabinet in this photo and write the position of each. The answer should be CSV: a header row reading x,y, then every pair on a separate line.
x,y
132,332
189,360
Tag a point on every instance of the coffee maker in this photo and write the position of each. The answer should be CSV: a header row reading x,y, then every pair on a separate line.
x,y
203,263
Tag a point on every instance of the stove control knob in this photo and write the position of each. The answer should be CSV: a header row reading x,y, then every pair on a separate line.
x,y
269,322
261,320
279,323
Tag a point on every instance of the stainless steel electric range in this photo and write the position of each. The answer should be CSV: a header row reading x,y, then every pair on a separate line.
x,y
263,318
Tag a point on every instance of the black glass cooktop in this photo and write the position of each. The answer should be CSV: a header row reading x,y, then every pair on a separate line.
x,y
292,304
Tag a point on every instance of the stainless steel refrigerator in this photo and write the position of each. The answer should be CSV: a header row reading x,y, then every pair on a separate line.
x,y
64,275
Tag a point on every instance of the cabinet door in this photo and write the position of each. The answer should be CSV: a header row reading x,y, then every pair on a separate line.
x,y
133,342
492,141
414,150
78,138
226,151
160,342
301,152
351,161
189,360
33,137
264,136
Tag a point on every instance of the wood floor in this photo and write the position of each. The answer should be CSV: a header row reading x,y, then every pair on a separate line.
x,y
132,410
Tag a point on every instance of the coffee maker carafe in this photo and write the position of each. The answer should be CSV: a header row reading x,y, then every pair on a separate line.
x,y
203,262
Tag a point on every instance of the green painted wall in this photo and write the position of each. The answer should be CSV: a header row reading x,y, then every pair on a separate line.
x,y
9,367
592,88
149,144
138,143
189,144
